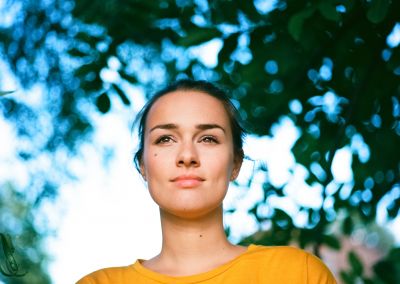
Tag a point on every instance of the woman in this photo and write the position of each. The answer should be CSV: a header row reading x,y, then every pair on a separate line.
x,y
190,149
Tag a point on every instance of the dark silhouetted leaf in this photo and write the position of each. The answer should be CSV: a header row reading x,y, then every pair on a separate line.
x,y
378,10
103,103
388,269
355,263
348,225
129,78
122,95
296,22
3,93
329,11
331,241
76,53
199,36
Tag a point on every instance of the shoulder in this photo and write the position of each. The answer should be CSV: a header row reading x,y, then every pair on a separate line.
x,y
292,260
277,252
317,271
106,275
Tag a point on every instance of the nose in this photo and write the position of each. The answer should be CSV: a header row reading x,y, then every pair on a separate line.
x,y
187,156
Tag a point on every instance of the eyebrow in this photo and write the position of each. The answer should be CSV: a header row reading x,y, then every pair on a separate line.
x,y
204,126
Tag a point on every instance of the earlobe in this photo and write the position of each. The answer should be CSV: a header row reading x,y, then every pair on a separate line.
x,y
237,166
234,175
142,172
235,172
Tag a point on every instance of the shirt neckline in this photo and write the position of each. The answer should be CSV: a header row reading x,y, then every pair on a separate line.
x,y
163,278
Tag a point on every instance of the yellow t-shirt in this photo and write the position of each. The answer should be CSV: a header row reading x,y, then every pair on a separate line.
x,y
259,264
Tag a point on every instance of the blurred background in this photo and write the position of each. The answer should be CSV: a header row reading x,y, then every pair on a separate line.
x,y
317,82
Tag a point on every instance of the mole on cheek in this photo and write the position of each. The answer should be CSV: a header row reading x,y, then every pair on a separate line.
x,y
155,155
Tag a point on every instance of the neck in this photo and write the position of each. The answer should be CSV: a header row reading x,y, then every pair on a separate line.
x,y
189,241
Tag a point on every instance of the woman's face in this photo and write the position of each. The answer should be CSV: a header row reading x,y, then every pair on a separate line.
x,y
188,157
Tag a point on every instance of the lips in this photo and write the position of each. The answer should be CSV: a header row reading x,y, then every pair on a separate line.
x,y
187,181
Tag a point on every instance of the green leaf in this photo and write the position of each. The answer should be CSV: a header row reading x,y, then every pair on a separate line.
x,y
348,225
394,255
394,208
306,237
296,22
230,44
3,93
355,263
388,269
331,241
84,70
280,215
378,10
347,277
76,52
198,36
122,95
248,8
129,78
328,10
394,60
103,103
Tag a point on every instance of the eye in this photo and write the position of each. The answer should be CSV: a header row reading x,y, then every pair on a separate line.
x,y
209,139
165,139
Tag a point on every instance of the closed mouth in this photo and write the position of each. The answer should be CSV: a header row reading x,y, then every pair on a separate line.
x,y
187,177
187,181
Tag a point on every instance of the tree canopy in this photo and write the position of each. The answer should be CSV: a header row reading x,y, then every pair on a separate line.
x,y
331,66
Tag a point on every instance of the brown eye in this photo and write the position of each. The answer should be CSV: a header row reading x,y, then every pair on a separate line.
x,y
164,140
209,140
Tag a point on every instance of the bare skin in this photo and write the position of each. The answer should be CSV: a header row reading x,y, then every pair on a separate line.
x,y
194,240
192,247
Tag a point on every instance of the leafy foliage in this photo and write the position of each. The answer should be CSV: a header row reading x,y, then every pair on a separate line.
x,y
29,258
388,269
328,65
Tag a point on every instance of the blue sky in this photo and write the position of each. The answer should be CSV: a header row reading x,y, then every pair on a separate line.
x,y
107,218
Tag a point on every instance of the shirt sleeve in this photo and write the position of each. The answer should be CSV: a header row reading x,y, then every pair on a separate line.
x,y
317,272
96,277
109,275
85,280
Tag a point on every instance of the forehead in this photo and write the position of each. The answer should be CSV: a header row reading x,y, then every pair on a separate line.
x,y
187,107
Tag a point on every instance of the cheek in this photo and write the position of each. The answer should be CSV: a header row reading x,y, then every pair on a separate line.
x,y
220,165
150,161
154,161
155,170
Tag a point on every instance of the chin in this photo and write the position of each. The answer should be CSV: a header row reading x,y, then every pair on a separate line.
x,y
192,213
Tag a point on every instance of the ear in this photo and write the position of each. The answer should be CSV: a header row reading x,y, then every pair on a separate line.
x,y
238,160
142,171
